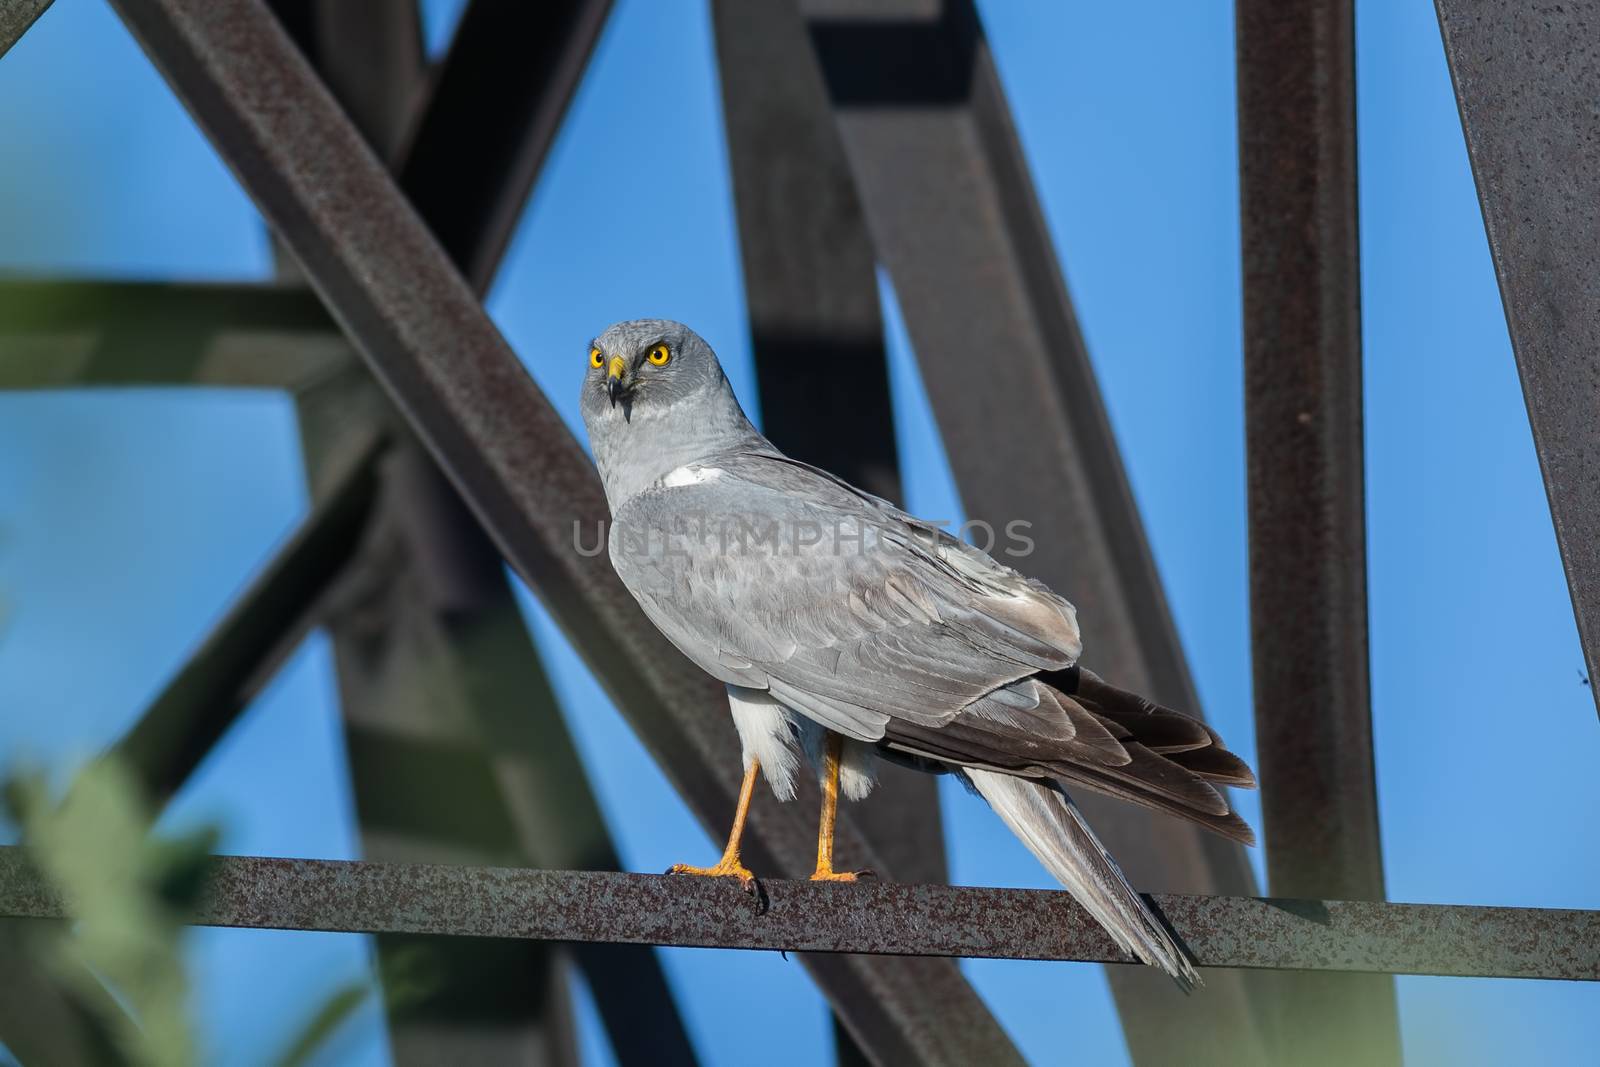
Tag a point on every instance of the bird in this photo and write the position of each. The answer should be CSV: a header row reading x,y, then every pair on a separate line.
x,y
849,632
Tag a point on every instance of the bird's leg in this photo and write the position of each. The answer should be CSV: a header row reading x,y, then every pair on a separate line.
x,y
833,748
729,865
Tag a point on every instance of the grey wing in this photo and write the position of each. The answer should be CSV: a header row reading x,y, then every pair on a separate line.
x,y
771,575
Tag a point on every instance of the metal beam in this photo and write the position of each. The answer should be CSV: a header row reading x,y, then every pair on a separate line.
x,y
72,334
458,752
494,110
403,695
809,272
1308,564
443,693
864,917
1526,80
372,58
929,136
811,288
266,622
422,777
512,458
15,18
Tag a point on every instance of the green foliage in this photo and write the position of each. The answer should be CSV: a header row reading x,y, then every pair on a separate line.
x,y
324,1022
129,892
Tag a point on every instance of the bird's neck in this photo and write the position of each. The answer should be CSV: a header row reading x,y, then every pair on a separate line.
x,y
645,448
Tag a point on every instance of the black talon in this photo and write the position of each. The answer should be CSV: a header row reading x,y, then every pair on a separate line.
x,y
759,893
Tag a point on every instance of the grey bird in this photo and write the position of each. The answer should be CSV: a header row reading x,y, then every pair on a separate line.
x,y
847,632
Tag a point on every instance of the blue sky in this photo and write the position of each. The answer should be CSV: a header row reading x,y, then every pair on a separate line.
x,y
127,518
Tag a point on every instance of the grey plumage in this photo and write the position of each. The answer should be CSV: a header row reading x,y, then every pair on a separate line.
x,y
1050,825
822,606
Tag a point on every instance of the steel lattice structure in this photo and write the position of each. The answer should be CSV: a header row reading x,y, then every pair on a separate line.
x,y
393,189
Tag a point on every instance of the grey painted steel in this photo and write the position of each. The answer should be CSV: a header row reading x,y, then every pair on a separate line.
x,y
509,454
1308,564
494,110
876,917
15,18
71,334
954,217
1527,80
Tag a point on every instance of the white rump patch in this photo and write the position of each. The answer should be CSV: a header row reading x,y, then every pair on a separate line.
x,y
690,475
766,732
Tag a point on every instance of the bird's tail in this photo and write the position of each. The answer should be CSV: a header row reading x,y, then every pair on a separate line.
x,y
1049,823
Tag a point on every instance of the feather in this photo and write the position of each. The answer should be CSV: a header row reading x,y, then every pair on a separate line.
x,y
909,643
1217,765
1089,733
766,733
1049,824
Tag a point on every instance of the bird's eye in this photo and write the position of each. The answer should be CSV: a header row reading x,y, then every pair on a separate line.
x,y
659,355
595,358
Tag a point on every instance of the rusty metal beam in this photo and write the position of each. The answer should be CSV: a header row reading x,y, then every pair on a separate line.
x,y
512,458
15,18
1302,340
865,917
411,682
1526,80
812,291
493,112
370,55
442,691
809,270
259,630
73,334
405,692
955,220
459,753
1308,564
811,288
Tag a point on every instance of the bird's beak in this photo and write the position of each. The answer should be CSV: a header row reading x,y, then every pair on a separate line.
x,y
614,376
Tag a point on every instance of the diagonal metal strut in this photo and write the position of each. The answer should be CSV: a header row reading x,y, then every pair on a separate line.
x,y
1527,78
426,336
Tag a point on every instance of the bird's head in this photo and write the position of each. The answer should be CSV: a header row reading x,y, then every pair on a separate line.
x,y
654,399
647,366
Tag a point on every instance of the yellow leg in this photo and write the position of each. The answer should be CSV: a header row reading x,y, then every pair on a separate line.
x,y
830,812
729,866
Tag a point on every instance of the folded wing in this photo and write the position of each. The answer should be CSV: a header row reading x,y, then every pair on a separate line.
x,y
773,575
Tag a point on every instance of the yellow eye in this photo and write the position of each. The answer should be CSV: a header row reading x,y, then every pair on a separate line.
x,y
595,358
659,355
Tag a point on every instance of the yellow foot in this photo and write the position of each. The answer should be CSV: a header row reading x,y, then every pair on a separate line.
x,y
841,876
725,868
